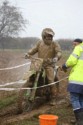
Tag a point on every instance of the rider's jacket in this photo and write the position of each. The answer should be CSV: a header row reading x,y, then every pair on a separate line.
x,y
76,75
46,51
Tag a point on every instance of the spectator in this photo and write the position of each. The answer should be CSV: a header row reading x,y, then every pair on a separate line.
x,y
75,86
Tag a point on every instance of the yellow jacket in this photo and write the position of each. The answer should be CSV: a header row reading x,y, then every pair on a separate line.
x,y
75,61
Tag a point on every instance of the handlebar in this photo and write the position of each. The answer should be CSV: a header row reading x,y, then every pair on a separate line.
x,y
35,58
49,60
32,57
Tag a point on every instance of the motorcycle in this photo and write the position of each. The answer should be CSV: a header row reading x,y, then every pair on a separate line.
x,y
36,88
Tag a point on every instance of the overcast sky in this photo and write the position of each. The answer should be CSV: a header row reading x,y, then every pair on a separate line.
x,y
65,17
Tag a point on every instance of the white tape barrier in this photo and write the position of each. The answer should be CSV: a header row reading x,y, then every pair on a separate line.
x,y
12,89
11,83
20,81
15,66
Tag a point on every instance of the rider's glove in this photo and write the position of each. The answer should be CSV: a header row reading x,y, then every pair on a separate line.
x,y
64,67
27,56
55,59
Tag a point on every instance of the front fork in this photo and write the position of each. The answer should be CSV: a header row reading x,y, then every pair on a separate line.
x,y
33,91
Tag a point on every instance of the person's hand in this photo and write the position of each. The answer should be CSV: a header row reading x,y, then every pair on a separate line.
x,y
27,56
55,60
64,68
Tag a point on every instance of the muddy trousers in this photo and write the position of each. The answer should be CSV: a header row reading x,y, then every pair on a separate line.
x,y
50,76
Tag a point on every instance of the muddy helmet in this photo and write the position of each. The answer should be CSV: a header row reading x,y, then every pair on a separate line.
x,y
47,31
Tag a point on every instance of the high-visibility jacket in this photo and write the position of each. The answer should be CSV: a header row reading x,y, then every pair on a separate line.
x,y
75,61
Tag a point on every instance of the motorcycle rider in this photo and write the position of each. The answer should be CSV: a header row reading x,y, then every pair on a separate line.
x,y
50,52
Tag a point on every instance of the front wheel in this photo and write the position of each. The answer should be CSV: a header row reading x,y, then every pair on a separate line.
x,y
22,97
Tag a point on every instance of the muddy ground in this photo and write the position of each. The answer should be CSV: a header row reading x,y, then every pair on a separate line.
x,y
8,114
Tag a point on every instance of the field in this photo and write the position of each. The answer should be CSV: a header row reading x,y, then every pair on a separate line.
x,y
8,99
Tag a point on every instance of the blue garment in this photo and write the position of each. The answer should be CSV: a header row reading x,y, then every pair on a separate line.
x,y
76,100
77,88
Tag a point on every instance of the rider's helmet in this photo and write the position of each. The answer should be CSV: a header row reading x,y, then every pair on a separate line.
x,y
47,35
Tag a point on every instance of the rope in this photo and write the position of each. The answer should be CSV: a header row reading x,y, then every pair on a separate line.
x,y
15,66
12,89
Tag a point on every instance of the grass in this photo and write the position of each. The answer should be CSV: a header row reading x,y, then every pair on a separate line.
x,y
31,121
7,101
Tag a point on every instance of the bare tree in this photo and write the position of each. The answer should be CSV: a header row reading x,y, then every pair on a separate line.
x,y
11,20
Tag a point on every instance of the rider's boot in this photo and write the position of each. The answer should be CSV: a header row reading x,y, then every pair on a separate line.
x,y
79,116
53,101
53,96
